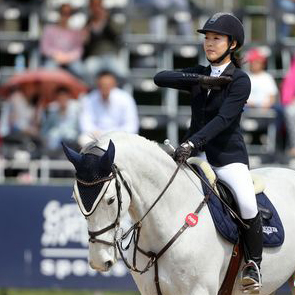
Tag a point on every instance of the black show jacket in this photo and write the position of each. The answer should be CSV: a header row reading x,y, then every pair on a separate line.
x,y
215,121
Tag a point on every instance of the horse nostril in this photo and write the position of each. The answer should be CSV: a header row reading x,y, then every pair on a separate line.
x,y
109,264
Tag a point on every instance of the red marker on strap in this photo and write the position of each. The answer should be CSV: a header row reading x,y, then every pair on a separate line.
x,y
191,219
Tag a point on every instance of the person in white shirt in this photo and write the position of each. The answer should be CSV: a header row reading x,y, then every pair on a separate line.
x,y
263,86
107,108
264,91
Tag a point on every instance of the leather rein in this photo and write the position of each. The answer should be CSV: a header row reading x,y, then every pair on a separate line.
x,y
136,228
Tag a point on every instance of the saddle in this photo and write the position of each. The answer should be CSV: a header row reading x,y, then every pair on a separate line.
x,y
227,193
225,223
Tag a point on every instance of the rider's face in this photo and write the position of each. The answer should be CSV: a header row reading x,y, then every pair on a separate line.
x,y
215,45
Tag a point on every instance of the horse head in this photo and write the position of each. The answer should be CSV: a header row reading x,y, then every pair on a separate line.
x,y
97,191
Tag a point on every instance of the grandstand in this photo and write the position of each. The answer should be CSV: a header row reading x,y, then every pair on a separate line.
x,y
163,113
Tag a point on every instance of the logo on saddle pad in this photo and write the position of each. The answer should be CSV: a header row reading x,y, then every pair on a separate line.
x,y
269,229
191,219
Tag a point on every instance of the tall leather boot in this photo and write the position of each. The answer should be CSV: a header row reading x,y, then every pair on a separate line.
x,y
253,246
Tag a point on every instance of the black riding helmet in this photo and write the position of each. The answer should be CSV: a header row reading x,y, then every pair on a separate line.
x,y
225,24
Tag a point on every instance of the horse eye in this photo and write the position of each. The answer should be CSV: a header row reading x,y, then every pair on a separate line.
x,y
111,200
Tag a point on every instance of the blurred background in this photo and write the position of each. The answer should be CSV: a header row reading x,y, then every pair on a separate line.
x,y
60,62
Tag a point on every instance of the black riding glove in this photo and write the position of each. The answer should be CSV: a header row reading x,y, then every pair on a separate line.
x,y
209,82
183,152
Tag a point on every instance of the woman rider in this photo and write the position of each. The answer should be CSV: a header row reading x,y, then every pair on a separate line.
x,y
217,105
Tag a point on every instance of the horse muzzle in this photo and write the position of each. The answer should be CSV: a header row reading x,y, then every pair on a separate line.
x,y
102,267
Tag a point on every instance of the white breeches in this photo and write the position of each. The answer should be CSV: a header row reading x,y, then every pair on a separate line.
x,y
238,177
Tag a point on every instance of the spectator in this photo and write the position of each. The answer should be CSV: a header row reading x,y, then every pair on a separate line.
x,y
20,122
288,100
287,19
107,108
180,11
101,45
63,46
263,86
60,122
264,90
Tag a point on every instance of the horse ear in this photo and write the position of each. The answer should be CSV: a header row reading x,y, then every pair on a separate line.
x,y
107,159
74,157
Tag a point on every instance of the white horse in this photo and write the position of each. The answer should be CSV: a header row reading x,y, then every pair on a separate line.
x,y
197,262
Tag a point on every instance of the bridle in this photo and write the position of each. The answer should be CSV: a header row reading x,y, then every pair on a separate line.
x,y
94,234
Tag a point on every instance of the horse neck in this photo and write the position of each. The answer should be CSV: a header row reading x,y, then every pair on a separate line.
x,y
150,171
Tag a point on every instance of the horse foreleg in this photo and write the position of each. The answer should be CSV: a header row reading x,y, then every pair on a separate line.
x,y
291,283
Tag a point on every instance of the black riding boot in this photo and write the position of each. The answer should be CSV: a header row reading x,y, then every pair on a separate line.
x,y
253,241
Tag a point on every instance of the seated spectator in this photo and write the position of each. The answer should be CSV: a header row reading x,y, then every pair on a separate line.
x,y
102,43
159,8
286,17
264,90
60,122
62,46
20,122
263,86
107,108
288,100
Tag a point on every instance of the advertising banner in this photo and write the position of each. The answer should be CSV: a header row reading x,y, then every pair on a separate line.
x,y
44,242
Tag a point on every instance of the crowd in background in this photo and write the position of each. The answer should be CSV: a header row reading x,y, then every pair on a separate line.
x,y
91,54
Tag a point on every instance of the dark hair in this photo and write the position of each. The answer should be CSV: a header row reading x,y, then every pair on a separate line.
x,y
62,89
91,1
106,73
61,8
236,60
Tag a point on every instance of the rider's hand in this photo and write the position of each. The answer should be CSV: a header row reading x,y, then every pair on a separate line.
x,y
183,152
209,82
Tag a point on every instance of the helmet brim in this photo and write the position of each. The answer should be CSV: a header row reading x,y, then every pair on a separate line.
x,y
202,31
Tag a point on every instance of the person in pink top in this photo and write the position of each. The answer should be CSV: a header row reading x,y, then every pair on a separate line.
x,y
62,46
288,101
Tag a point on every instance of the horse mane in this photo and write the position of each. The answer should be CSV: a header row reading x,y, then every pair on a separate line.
x,y
130,145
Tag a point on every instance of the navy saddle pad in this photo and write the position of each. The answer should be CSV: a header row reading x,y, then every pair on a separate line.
x,y
273,231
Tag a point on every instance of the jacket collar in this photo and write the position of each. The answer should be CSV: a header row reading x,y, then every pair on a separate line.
x,y
229,70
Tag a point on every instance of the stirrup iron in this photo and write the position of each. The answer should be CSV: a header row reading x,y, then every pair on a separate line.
x,y
249,285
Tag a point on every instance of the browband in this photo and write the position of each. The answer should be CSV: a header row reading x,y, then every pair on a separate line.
x,y
96,181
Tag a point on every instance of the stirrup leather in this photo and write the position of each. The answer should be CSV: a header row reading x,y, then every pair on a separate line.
x,y
248,284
